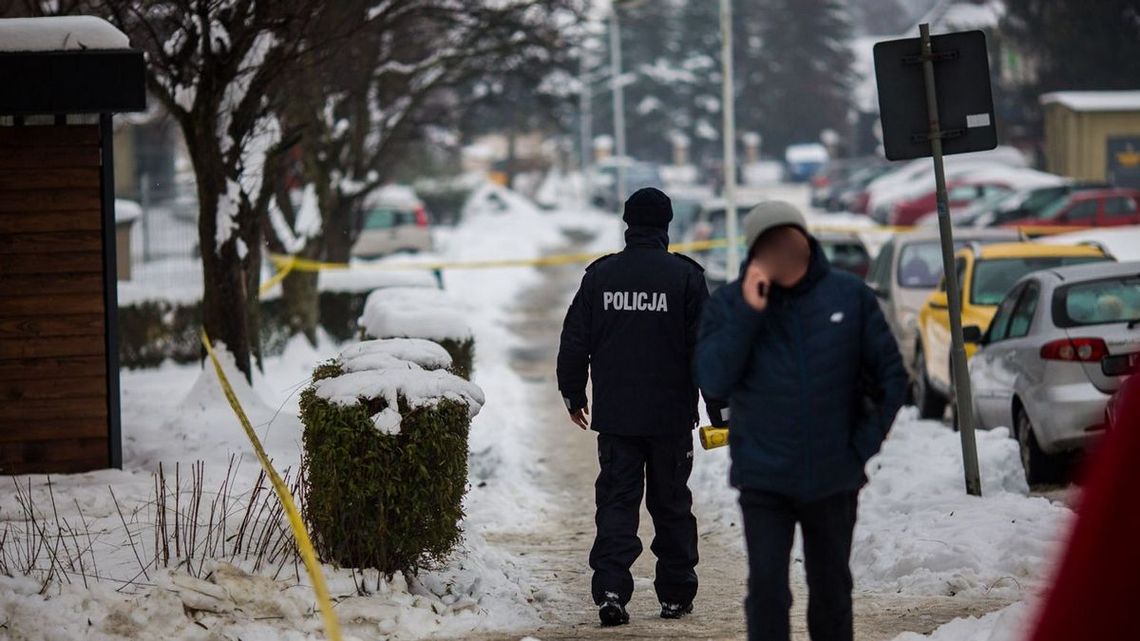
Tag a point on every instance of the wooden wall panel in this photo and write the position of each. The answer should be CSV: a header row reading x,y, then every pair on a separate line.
x,y
53,378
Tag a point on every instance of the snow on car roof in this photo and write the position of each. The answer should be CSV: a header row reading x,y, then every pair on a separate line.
x,y
1094,100
60,33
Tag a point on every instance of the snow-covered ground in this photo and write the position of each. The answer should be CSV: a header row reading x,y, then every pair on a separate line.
x,y
178,416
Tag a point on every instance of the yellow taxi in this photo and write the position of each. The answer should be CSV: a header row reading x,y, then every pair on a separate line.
x,y
986,273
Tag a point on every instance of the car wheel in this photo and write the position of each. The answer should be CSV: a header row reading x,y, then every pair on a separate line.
x,y
929,402
1039,466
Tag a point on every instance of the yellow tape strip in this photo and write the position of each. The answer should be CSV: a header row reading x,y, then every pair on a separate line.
x,y
304,545
286,263
283,268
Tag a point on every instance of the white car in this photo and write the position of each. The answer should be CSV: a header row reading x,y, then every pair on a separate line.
x,y
394,220
1058,347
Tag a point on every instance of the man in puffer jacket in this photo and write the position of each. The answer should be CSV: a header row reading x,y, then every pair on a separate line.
x,y
814,379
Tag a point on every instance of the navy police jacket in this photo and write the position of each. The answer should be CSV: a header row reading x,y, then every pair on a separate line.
x,y
813,382
632,327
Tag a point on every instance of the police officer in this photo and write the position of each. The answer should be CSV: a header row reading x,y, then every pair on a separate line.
x,y
633,327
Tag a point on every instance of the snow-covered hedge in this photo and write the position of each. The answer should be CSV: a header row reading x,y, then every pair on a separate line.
x,y
385,455
406,312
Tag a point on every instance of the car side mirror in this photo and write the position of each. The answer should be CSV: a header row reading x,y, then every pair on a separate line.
x,y
973,334
938,300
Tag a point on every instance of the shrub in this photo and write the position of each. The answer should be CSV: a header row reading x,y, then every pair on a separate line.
x,y
377,497
405,312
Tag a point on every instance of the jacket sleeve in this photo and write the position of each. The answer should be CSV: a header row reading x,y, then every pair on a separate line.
x,y
883,379
574,348
724,344
696,296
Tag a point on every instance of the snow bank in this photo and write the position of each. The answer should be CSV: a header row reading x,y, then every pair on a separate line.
x,y
918,532
1008,624
414,312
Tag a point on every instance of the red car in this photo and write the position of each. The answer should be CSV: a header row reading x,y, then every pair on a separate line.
x,y
1092,208
960,193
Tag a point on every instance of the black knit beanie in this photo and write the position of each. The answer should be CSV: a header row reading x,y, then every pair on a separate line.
x,y
648,207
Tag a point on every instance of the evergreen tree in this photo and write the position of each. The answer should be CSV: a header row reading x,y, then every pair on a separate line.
x,y
1077,45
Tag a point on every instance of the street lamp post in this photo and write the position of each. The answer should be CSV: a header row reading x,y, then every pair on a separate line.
x,y
618,103
729,109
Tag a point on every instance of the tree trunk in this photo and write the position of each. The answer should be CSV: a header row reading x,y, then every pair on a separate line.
x,y
341,231
302,304
224,279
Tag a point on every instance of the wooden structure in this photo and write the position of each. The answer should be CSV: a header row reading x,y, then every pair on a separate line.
x,y
59,376
1093,135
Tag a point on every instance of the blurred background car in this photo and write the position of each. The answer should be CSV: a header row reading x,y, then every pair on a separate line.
x,y
1026,203
687,202
393,220
1088,208
1060,344
909,267
915,177
986,273
604,182
967,187
804,160
835,177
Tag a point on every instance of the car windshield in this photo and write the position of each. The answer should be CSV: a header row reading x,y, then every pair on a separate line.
x,y
1054,209
1038,199
995,277
380,218
1098,302
920,264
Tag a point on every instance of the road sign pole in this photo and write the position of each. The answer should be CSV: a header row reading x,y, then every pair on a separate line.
x,y
962,395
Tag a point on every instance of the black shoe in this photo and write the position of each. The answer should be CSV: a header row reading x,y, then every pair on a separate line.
x,y
676,610
613,613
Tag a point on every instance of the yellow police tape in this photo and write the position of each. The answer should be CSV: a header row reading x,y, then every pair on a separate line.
x,y
287,264
304,545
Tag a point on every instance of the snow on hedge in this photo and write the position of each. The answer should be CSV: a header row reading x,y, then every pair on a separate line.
x,y
414,312
395,353
393,369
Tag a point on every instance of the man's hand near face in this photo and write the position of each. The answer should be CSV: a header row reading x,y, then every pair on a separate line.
x,y
756,286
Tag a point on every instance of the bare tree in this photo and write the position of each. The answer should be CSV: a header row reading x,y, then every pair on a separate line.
x,y
358,106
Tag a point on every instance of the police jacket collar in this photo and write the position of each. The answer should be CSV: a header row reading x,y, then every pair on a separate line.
x,y
647,237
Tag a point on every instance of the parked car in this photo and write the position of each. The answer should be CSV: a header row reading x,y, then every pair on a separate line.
x,y
966,186
710,224
1060,343
804,160
909,267
605,181
852,195
1027,203
916,177
393,220
834,176
960,194
986,273
1090,208
687,202
844,250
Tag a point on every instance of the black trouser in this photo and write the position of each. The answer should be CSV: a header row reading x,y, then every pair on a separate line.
x,y
769,528
628,462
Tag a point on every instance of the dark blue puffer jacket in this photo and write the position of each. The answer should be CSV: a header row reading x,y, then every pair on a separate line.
x,y
814,381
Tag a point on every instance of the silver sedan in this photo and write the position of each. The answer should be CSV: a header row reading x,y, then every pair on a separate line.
x,y
1059,345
